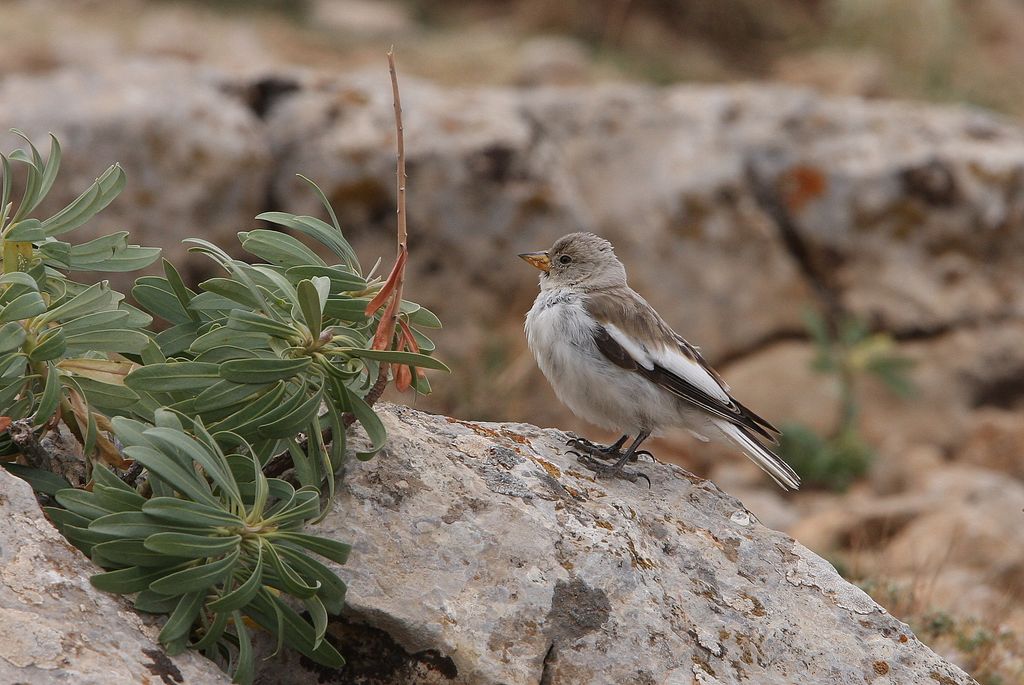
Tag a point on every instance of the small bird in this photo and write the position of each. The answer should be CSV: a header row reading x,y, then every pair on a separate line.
x,y
616,363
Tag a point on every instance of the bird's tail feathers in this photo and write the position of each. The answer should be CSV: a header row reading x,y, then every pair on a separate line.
x,y
771,463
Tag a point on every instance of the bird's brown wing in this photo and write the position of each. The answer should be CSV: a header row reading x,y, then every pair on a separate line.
x,y
632,336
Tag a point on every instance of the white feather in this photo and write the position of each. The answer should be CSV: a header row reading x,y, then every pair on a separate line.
x,y
671,359
771,464
637,350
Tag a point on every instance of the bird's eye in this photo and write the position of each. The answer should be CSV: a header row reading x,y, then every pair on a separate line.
x,y
565,259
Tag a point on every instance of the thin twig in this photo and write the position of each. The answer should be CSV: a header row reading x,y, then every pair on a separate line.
x,y
385,333
399,129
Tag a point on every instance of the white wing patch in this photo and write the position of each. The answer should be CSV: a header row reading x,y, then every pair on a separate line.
x,y
673,360
636,350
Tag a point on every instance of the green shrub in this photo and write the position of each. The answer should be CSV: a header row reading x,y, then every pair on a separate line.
x,y
285,347
847,351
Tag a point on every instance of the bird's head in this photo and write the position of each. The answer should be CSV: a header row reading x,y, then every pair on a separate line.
x,y
579,260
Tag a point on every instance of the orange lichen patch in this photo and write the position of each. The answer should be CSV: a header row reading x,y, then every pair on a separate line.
x,y
881,668
731,549
353,96
758,609
903,638
514,437
556,473
639,561
493,434
683,474
552,470
703,664
452,125
800,185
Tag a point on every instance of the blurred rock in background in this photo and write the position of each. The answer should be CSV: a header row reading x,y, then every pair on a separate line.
x,y
527,120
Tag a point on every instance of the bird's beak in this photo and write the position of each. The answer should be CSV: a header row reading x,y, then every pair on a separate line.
x,y
539,260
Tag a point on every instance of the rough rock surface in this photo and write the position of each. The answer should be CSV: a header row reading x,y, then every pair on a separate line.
x,y
484,554
56,627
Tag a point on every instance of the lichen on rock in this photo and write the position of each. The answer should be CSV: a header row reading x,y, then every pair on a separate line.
x,y
568,579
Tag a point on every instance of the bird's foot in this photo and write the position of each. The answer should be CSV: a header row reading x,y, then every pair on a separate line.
x,y
602,470
583,447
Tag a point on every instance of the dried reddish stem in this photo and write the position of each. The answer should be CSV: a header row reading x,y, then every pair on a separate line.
x,y
389,296
391,291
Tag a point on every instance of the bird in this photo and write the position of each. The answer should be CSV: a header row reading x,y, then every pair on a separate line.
x,y
615,362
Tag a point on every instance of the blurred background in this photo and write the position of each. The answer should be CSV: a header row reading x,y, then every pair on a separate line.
x,y
826,195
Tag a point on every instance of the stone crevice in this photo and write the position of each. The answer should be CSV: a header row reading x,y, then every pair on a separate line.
x,y
546,674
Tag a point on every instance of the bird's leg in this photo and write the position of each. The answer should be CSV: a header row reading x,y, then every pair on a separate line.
x,y
609,453
582,445
616,470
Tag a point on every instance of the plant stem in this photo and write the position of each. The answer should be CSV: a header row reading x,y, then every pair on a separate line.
x,y
384,336
848,408
400,130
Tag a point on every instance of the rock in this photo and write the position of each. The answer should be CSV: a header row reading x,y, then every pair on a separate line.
x,y
898,206
973,535
948,545
995,440
553,61
863,521
836,72
57,628
484,554
871,190
195,157
954,374
361,17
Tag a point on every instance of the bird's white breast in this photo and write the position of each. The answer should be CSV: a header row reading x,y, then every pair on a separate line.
x,y
560,334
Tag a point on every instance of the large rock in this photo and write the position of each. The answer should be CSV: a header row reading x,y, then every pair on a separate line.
x,y
908,215
484,554
195,156
56,627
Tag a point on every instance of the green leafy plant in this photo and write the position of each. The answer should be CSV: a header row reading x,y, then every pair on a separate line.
x,y
62,343
186,426
214,545
847,352
259,353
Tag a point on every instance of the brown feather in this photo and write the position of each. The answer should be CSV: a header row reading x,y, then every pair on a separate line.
x,y
630,313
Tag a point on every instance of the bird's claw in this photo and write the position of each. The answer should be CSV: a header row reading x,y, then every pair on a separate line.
x,y
582,443
608,453
602,470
